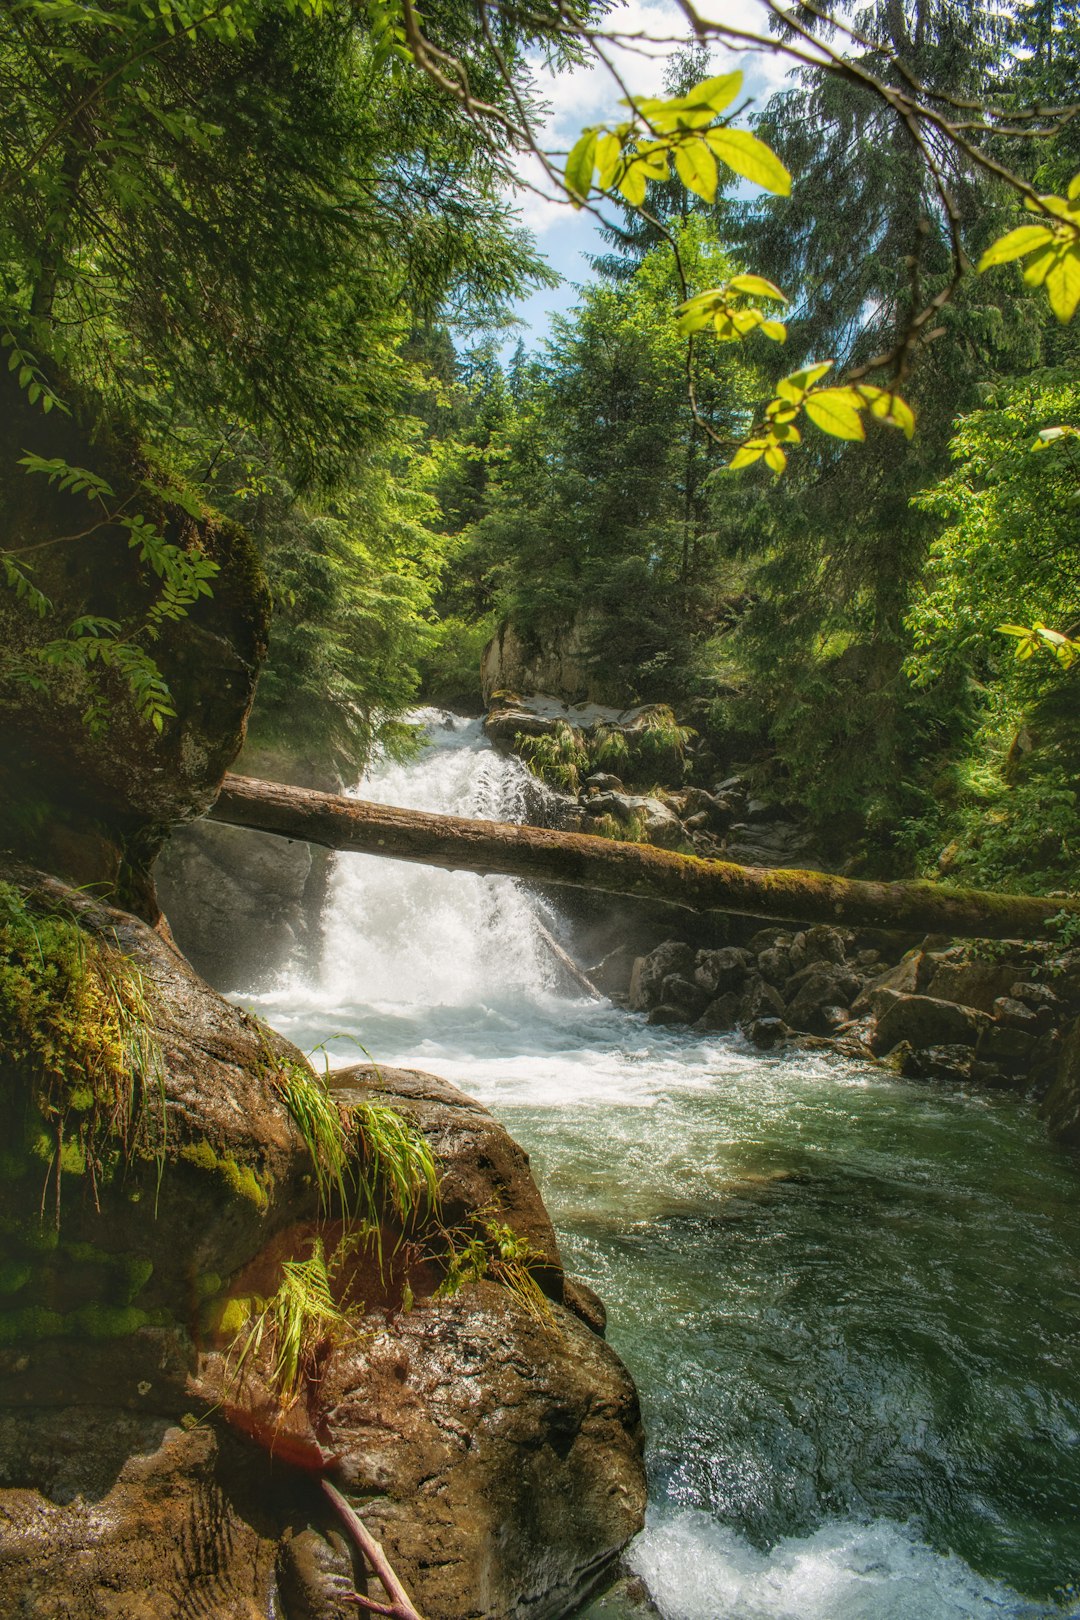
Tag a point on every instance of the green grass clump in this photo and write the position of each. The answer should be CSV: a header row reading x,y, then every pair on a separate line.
x,y
320,1122
74,1014
396,1166
558,757
495,1250
296,1325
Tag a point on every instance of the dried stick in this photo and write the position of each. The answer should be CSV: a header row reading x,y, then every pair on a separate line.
x,y
400,1606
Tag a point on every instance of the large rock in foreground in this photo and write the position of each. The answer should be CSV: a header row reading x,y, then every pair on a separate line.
x,y
493,1446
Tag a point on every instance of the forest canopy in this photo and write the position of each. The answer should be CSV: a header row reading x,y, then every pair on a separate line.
x,y
275,237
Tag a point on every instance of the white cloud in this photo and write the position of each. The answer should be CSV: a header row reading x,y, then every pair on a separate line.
x,y
590,95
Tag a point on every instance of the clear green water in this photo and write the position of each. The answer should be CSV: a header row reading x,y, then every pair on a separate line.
x,y
851,1303
846,1299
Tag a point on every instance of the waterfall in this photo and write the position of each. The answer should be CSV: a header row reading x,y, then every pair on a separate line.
x,y
849,1300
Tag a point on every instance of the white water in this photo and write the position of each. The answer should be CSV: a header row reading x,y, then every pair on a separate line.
x,y
655,1149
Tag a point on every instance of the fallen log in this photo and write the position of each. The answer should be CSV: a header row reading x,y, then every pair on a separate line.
x,y
636,870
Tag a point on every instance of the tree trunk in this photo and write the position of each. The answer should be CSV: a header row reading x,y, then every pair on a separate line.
x,y
637,870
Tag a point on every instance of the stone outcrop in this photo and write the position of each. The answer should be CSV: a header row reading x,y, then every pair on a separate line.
x,y
493,1445
566,664
940,1012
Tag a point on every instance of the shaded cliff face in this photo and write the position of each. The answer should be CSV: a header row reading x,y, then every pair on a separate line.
x,y
93,806
495,1449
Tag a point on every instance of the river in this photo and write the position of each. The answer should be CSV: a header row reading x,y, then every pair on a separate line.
x,y
851,1303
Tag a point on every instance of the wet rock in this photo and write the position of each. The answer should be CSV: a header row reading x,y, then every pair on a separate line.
x,y
678,991
586,1304
185,1525
494,1446
760,1000
774,965
818,986
766,938
1035,995
668,1014
909,976
954,1063
973,984
660,825
721,1014
316,1579
823,944
722,970
649,972
602,782
1061,1105
1007,1047
768,1032
718,812
613,973
1015,1014
924,1021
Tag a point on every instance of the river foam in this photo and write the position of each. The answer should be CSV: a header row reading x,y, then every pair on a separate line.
x,y
850,1302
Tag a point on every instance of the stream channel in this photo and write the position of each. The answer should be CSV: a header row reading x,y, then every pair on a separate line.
x,y
851,1303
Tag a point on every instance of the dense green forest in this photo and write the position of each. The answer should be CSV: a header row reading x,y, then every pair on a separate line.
x,y
285,261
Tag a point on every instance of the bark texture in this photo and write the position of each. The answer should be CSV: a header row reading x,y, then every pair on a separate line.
x,y
638,870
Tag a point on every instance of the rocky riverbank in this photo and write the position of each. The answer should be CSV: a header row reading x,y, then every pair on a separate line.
x,y
153,1462
995,1013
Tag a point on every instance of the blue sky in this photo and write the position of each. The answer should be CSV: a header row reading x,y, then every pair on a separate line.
x,y
589,96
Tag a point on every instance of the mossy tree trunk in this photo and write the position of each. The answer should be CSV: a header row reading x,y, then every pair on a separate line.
x,y
638,870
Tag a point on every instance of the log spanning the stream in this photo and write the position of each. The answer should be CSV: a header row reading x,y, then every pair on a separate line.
x,y
636,870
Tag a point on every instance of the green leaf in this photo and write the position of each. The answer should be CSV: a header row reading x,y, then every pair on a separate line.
x,y
1073,192
633,185
718,92
696,168
890,408
748,453
751,158
579,167
833,413
757,287
1014,244
794,385
775,330
607,156
1063,283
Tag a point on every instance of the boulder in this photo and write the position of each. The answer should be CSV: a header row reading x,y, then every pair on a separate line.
x,y
910,976
1008,1047
490,1438
661,825
759,1000
823,944
721,1014
775,966
767,1032
1015,1014
1035,995
1061,1105
649,972
678,991
972,983
923,1021
722,970
668,1013
817,993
